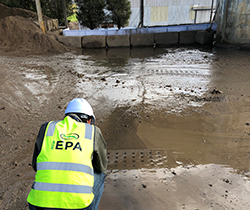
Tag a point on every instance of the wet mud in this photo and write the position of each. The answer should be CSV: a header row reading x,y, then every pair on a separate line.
x,y
190,104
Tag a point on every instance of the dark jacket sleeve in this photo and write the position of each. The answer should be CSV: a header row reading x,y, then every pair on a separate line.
x,y
100,160
38,144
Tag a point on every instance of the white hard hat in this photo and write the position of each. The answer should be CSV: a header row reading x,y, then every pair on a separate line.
x,y
80,105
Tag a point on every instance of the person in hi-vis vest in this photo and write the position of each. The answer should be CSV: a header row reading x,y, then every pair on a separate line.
x,y
69,159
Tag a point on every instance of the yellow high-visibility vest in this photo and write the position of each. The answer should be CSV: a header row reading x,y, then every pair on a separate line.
x,y
65,176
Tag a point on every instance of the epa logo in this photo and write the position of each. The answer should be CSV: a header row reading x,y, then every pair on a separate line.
x,y
67,143
70,136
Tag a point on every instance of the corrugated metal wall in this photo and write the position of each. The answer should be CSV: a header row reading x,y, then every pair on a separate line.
x,y
171,12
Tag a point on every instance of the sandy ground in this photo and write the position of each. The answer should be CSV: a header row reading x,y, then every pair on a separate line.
x,y
185,146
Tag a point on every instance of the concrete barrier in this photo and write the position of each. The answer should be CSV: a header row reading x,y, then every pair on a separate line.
x,y
118,41
142,40
138,40
187,37
94,41
204,37
71,41
166,38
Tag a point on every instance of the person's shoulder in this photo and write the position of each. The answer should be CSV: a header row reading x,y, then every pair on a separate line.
x,y
97,129
45,124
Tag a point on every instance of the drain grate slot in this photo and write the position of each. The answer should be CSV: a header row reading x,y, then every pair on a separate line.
x,y
136,159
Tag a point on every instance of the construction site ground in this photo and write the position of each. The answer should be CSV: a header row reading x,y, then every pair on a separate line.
x,y
176,120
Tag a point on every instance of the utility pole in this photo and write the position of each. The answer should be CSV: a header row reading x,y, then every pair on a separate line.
x,y
40,15
65,14
142,14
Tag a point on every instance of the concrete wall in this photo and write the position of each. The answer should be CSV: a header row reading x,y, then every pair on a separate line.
x,y
233,19
118,41
162,39
204,37
187,37
139,40
74,41
93,42
142,40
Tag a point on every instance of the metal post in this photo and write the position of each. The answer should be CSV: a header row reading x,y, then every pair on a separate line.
x,y
65,14
212,9
195,16
40,15
142,13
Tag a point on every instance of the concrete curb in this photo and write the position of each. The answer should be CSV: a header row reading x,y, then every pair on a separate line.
x,y
118,41
139,40
142,40
74,41
163,39
187,37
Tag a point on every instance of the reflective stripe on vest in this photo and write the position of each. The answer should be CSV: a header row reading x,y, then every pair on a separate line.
x,y
88,132
64,167
65,175
51,128
61,187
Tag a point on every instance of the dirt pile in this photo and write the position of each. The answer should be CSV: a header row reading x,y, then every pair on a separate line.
x,y
8,11
19,35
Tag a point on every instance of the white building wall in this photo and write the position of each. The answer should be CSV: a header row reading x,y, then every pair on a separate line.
x,y
170,12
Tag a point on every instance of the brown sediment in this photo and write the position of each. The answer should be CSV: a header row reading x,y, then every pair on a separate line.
x,y
20,35
163,101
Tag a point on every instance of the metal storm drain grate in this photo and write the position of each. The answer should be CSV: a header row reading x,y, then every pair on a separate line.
x,y
137,158
137,179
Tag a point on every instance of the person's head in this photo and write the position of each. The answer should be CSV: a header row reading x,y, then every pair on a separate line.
x,y
82,109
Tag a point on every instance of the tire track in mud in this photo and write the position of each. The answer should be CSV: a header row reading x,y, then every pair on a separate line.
x,y
173,82
181,71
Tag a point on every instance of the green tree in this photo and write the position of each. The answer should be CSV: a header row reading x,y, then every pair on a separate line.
x,y
54,9
90,12
50,8
24,4
120,11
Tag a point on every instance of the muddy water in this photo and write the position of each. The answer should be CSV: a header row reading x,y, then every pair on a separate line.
x,y
143,99
164,97
172,105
